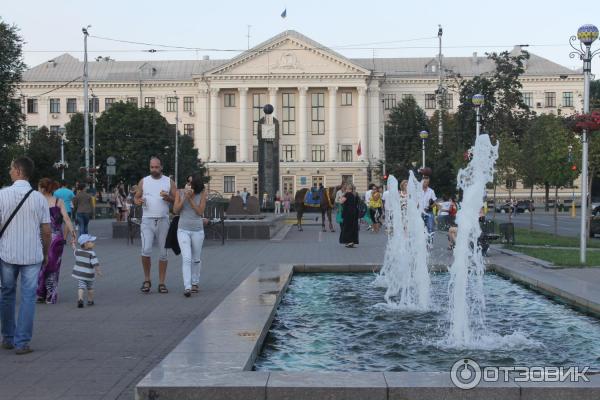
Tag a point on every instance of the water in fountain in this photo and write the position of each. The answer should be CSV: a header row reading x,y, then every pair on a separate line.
x,y
467,301
404,272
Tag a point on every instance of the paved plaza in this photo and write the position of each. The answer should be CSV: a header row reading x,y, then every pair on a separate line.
x,y
102,352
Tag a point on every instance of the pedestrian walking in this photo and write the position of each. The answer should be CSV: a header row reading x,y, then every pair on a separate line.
x,y
190,205
83,205
428,198
277,203
350,216
66,195
287,201
154,193
375,208
86,268
25,217
47,288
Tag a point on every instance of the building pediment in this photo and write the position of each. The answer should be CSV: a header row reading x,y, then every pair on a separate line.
x,y
289,54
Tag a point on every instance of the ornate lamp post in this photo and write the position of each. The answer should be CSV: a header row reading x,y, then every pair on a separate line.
x,y
586,35
423,135
477,101
62,164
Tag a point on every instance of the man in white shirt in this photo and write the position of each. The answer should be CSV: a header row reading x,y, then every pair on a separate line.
x,y
155,192
427,201
21,253
368,195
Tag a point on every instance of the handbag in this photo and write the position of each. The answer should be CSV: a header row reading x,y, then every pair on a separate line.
x,y
14,212
172,242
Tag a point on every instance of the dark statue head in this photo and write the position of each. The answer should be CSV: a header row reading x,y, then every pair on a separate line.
x,y
268,109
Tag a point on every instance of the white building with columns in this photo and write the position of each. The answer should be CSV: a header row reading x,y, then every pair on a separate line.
x,y
331,109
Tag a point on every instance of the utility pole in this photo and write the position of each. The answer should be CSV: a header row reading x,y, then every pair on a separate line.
x,y
176,138
441,91
94,139
248,36
86,111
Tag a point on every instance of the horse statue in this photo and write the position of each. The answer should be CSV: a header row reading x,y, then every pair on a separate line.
x,y
304,199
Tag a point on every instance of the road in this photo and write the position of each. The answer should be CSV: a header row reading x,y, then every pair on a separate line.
x,y
544,221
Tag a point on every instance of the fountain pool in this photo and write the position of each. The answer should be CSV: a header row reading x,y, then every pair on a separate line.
x,y
339,322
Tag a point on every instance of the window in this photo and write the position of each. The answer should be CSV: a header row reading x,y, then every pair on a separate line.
x,y
348,178
229,99
132,100
54,128
32,106
254,153
188,129
108,102
94,105
389,101
567,100
188,104
346,98
317,180
318,152
550,99
230,153
71,106
528,99
430,101
288,120
149,102
54,106
171,104
258,101
287,184
288,152
31,129
407,96
449,101
347,152
229,184
317,114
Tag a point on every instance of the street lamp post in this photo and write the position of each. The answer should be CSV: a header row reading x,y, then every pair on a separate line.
x,y
86,128
62,164
176,138
423,135
478,101
586,35
94,139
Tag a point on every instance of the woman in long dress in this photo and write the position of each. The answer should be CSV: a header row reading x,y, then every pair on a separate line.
x,y
47,290
349,233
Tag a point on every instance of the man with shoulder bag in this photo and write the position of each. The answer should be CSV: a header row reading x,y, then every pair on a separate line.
x,y
24,219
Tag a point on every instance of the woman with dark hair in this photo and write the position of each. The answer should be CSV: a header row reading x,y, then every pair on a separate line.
x,y
190,204
350,217
47,290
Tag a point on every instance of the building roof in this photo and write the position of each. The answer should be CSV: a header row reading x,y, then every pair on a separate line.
x,y
66,68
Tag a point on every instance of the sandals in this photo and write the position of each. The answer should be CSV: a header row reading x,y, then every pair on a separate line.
x,y
162,288
194,288
187,292
146,287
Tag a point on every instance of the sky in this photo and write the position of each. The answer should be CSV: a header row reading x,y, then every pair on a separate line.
x,y
367,28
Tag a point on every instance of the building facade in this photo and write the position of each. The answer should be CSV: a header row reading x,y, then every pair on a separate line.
x,y
331,109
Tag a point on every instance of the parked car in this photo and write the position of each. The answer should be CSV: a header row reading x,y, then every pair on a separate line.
x,y
596,211
504,208
525,206
595,225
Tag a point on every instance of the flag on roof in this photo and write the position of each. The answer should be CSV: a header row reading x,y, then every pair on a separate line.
x,y
359,150
284,13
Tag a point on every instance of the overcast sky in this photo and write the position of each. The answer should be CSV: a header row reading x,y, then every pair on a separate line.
x,y
394,28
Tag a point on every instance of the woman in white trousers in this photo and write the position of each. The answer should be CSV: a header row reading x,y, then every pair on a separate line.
x,y
190,204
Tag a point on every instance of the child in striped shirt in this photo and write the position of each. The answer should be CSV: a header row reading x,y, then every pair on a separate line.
x,y
86,268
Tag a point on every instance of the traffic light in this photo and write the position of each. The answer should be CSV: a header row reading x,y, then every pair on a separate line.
x,y
385,177
573,167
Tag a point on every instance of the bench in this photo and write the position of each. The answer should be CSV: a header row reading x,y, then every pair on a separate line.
x,y
488,235
215,213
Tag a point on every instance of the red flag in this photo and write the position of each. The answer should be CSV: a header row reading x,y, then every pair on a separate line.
x,y
359,150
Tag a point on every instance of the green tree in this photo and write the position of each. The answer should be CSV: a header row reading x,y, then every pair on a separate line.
x,y
44,150
553,156
11,117
402,142
507,163
595,95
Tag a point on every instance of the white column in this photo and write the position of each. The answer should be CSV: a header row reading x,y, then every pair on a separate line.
x,y
273,100
243,124
374,134
362,122
302,133
332,123
214,124
201,134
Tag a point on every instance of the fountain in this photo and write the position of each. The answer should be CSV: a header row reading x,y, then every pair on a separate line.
x,y
404,273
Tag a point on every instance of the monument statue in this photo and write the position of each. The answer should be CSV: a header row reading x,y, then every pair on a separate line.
x,y
268,155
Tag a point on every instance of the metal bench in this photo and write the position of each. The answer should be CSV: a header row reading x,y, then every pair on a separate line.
x,y
215,213
488,234
134,221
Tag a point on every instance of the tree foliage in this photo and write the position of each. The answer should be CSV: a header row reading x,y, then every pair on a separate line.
x,y
11,117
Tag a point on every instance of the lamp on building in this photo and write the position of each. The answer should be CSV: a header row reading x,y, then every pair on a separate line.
x,y
586,35
423,135
477,101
